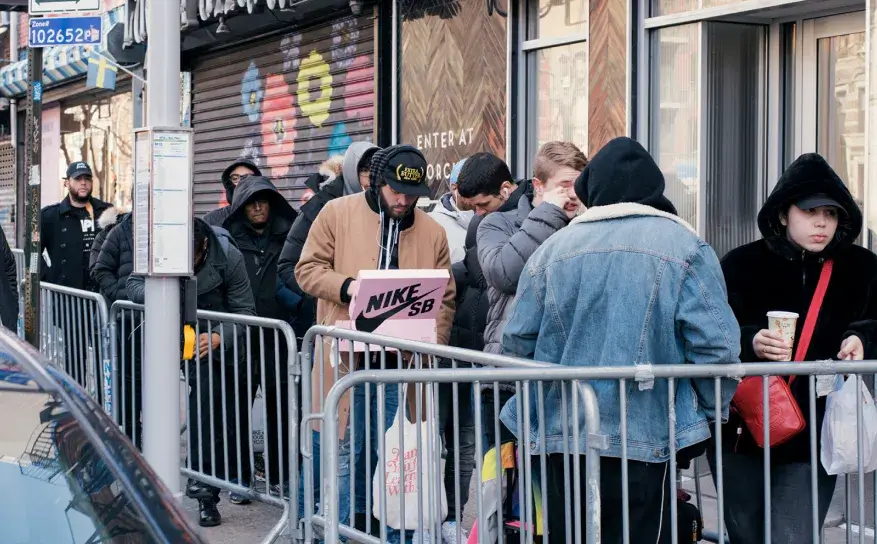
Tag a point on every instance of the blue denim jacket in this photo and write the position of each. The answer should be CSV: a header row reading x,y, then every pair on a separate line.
x,y
622,285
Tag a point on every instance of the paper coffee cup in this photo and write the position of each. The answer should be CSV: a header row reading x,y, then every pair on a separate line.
x,y
783,323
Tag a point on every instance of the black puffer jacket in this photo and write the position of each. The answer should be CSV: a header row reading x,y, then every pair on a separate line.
x,y
218,216
109,219
115,262
773,274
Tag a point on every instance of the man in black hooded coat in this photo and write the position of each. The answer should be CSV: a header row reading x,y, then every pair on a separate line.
x,y
231,177
259,219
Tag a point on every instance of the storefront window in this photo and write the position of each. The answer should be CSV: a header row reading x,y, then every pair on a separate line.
x,y
552,19
675,114
561,84
669,7
101,134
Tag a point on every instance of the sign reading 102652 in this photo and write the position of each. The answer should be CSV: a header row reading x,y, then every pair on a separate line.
x,y
51,31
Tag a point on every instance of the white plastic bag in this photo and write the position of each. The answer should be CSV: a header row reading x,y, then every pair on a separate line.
x,y
840,439
422,483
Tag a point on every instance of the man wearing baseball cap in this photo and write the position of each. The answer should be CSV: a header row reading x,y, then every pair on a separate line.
x,y
380,228
69,228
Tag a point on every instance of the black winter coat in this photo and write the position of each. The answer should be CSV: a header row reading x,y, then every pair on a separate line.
x,y
115,261
470,319
8,287
63,233
773,274
261,251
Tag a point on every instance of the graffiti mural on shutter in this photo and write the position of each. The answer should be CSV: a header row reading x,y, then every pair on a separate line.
x,y
287,104
453,82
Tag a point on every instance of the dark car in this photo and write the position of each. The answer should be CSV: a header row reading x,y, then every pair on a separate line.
x,y
67,473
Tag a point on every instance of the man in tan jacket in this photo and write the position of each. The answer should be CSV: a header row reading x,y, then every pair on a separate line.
x,y
380,228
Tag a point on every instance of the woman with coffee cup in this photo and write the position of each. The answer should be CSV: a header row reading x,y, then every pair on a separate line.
x,y
804,292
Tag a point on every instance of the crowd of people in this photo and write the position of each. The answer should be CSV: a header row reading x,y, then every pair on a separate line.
x,y
585,263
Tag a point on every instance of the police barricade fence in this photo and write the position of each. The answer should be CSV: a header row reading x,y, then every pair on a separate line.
x,y
19,284
252,359
75,337
363,471
345,463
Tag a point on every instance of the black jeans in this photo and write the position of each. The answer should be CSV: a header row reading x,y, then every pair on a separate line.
x,y
649,499
466,428
790,508
214,428
275,393
131,397
489,419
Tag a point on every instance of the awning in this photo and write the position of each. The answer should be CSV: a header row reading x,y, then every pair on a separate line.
x,y
59,63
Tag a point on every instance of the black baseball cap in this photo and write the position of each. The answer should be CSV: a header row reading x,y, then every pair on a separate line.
x,y
817,200
405,170
77,169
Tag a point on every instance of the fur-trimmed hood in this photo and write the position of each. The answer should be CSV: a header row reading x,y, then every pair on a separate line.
x,y
331,169
111,216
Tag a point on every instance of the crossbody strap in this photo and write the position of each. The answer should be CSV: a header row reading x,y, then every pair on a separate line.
x,y
813,312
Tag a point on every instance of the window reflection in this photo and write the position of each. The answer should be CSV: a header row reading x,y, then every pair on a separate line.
x,y
561,86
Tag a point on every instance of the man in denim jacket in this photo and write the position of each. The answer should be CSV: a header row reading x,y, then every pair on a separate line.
x,y
626,283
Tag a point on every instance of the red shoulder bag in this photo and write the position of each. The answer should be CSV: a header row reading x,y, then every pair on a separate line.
x,y
786,419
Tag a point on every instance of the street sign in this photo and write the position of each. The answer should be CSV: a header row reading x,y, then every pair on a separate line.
x,y
41,7
51,31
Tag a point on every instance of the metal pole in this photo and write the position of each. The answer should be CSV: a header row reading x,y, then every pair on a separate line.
x,y
31,171
161,365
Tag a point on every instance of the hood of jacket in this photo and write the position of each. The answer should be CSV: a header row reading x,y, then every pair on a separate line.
x,y
809,175
226,175
350,166
447,207
281,213
111,216
623,171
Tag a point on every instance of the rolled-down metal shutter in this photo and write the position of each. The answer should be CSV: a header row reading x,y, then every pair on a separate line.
x,y
287,103
7,191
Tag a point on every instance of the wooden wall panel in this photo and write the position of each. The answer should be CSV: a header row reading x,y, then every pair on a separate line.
x,y
607,82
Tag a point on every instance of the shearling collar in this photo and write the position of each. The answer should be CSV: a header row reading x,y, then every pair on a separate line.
x,y
626,209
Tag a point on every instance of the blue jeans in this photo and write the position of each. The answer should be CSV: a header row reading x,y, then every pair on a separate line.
x,y
362,504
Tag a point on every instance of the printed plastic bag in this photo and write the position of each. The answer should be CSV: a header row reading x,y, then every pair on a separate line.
x,y
840,439
416,475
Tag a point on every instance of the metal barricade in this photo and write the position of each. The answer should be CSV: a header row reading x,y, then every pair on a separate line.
x,y
74,336
772,492
19,283
249,354
346,507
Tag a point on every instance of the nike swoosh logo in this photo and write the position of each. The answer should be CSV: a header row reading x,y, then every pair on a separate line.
x,y
371,324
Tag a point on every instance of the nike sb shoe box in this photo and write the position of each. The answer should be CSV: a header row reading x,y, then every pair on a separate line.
x,y
398,303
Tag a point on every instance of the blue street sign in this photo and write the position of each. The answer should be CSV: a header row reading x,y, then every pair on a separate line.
x,y
51,31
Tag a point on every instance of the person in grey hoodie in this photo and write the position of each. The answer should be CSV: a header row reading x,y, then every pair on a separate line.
x,y
231,176
354,178
449,214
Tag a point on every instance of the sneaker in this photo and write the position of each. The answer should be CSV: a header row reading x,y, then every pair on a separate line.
x,y
237,498
421,537
449,533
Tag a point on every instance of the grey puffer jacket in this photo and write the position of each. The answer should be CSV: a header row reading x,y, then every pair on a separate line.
x,y
505,241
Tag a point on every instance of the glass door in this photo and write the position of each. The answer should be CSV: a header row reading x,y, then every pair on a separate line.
x,y
833,99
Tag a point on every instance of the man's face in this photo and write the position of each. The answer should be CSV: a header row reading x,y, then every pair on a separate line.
x,y
564,178
199,253
258,211
364,179
462,203
80,187
397,205
239,173
484,204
